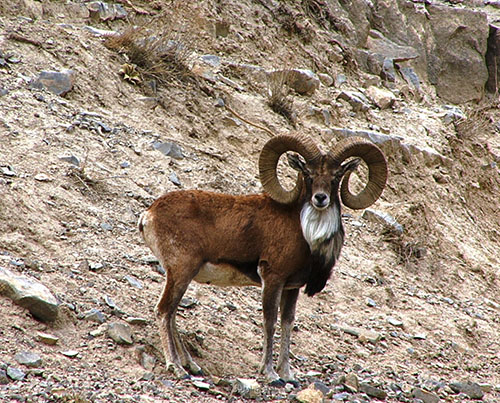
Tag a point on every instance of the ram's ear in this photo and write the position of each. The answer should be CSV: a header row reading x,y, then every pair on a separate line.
x,y
296,163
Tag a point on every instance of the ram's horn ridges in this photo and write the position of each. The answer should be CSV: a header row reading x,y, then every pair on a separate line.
x,y
268,162
377,171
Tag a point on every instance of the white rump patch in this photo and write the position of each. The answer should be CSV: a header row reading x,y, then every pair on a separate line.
x,y
318,226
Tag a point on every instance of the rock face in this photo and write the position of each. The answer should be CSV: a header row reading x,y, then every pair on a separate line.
x,y
456,57
444,45
30,294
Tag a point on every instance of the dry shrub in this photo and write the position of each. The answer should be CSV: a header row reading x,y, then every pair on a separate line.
x,y
163,57
279,98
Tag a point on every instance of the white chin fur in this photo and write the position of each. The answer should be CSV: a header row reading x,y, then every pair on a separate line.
x,y
319,225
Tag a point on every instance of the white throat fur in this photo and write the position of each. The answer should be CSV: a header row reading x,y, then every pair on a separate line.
x,y
319,226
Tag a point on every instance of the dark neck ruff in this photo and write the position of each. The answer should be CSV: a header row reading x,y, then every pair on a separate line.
x,y
323,259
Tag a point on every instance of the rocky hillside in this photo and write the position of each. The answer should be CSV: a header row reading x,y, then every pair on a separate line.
x,y
106,106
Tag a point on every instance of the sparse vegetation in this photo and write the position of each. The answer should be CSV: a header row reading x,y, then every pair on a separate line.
x,y
279,98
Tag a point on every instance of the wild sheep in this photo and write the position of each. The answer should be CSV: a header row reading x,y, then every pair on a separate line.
x,y
279,240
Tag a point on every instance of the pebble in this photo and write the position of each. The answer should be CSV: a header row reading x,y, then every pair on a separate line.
x,y
310,395
15,374
4,379
351,383
133,282
371,303
169,149
57,82
383,218
71,159
70,353
372,391
426,397
394,322
120,333
28,359
174,179
94,315
136,321
201,385
247,388
471,389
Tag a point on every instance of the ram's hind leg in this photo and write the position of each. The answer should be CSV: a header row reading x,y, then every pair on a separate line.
x,y
176,355
271,294
288,304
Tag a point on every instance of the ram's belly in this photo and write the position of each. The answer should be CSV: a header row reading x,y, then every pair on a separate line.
x,y
223,275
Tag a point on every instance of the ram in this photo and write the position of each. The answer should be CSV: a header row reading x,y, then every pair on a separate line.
x,y
280,240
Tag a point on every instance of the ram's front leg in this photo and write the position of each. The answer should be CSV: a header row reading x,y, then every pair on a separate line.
x,y
271,295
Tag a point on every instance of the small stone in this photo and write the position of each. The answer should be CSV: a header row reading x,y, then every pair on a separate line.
x,y
201,385
351,383
28,359
125,164
246,388
96,266
15,374
356,99
211,60
369,336
371,303
471,389
372,391
71,159
147,361
312,374
109,302
383,218
310,395
70,353
8,171
147,376
381,97
326,79
94,315
341,396
394,322
120,333
42,178
340,80
106,226
59,83
174,179
136,321
4,379
420,336
188,302
99,331
133,282
170,149
426,397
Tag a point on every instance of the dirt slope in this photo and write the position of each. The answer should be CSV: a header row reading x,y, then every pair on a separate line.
x,y
74,228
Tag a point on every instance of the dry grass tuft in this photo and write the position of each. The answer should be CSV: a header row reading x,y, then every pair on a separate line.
x,y
163,58
279,98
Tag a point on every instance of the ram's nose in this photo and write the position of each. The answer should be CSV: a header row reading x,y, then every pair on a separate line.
x,y
320,200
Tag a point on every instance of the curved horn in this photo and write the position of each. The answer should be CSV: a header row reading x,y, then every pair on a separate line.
x,y
268,161
377,171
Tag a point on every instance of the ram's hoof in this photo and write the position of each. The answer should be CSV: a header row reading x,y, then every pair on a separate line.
x,y
278,383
